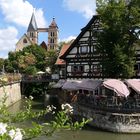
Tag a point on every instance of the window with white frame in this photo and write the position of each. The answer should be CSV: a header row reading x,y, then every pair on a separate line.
x,y
83,49
77,68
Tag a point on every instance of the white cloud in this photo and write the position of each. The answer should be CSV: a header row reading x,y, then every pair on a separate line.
x,y
86,7
41,22
68,39
8,39
19,12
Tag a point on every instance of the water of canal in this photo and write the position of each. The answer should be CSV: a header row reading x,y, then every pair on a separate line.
x,y
86,134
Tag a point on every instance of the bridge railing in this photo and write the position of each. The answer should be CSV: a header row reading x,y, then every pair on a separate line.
x,y
38,78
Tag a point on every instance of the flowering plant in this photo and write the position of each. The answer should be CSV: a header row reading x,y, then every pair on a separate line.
x,y
62,120
10,133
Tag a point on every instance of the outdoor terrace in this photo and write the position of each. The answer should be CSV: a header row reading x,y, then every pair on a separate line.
x,y
110,104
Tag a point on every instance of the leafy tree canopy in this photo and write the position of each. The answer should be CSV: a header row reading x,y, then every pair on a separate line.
x,y
30,59
51,57
120,22
1,63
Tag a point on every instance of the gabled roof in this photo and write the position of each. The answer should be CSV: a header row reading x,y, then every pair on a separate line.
x,y
53,24
25,36
18,46
32,25
83,30
63,50
43,45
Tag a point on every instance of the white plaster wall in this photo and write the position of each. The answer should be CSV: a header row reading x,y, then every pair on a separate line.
x,y
12,93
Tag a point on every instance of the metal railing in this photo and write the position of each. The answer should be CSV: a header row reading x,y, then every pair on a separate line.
x,y
109,105
37,78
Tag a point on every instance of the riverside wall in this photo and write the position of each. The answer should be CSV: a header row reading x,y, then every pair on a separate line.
x,y
114,122
12,92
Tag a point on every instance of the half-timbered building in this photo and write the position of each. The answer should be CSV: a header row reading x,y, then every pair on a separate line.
x,y
82,58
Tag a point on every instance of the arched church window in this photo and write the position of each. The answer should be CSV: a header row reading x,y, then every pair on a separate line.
x,y
52,40
31,34
52,47
24,40
52,33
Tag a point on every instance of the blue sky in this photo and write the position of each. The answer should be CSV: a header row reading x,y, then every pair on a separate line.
x,y
70,16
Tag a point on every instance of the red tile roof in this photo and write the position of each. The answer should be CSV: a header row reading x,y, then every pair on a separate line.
x,y
63,50
43,45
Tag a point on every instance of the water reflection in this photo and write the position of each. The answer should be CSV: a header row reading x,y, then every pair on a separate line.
x,y
90,135
87,134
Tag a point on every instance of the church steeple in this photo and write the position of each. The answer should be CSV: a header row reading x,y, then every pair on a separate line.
x,y
32,32
32,25
31,37
53,24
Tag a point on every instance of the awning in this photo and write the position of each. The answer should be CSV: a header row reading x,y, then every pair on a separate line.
x,y
89,84
71,85
134,84
117,86
59,84
40,72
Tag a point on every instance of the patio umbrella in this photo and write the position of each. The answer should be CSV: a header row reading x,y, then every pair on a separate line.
x,y
117,86
59,84
89,84
134,84
40,72
71,85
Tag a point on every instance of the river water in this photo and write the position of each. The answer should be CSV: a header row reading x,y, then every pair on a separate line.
x,y
86,134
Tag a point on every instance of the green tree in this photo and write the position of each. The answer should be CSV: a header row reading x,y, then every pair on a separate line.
x,y
40,55
1,63
25,61
8,66
120,21
13,59
32,56
30,70
51,57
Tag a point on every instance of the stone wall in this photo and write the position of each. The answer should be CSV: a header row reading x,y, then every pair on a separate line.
x,y
12,92
114,122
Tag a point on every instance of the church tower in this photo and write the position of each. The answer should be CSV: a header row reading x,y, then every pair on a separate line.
x,y
53,35
31,37
32,32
